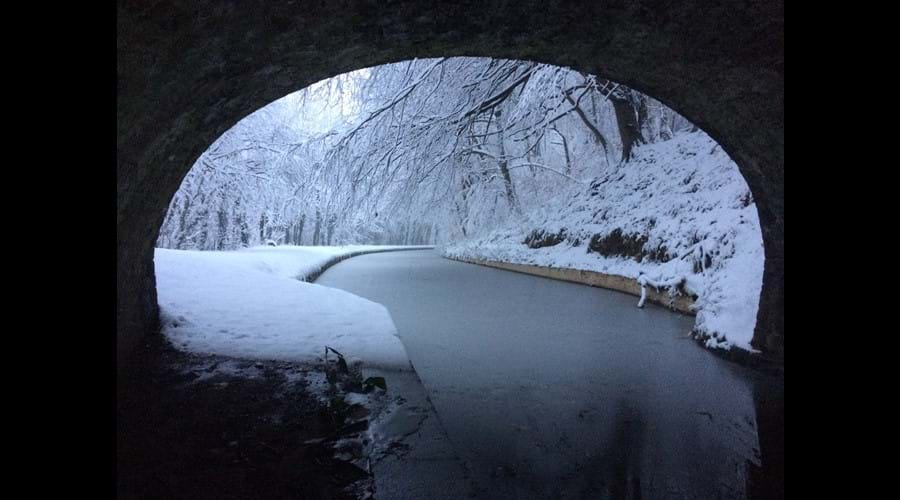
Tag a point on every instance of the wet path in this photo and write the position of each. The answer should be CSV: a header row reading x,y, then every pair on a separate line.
x,y
550,389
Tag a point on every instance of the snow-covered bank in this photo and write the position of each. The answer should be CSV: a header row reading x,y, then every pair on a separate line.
x,y
251,304
679,212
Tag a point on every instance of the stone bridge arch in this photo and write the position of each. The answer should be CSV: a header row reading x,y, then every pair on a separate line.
x,y
189,70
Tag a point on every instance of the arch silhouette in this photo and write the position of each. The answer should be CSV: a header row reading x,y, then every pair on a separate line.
x,y
189,70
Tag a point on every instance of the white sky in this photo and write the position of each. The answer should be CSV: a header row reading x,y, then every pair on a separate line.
x,y
321,110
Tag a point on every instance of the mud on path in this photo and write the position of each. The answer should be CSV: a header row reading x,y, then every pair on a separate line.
x,y
197,426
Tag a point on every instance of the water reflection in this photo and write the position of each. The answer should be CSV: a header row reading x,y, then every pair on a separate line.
x,y
555,390
619,466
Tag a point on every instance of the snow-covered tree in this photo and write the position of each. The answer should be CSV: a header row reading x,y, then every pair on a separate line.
x,y
416,152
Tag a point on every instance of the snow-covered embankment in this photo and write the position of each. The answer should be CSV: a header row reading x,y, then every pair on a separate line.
x,y
252,304
679,213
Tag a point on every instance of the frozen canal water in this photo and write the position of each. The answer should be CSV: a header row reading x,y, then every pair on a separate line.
x,y
550,389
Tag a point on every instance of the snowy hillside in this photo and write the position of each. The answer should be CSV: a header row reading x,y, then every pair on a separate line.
x,y
679,211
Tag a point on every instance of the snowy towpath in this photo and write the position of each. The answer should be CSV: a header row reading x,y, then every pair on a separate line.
x,y
251,304
550,389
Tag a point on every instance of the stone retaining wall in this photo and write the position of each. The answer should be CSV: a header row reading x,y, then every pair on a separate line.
x,y
681,303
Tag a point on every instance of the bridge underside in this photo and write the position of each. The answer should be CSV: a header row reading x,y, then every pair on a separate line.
x,y
188,71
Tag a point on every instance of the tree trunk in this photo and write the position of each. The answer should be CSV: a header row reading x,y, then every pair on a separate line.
x,y
298,240
317,228
627,120
504,170
565,145
262,228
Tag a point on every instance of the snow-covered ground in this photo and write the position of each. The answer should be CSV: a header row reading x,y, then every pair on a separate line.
x,y
688,204
251,304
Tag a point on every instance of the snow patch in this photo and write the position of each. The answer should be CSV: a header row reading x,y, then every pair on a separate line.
x,y
250,304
